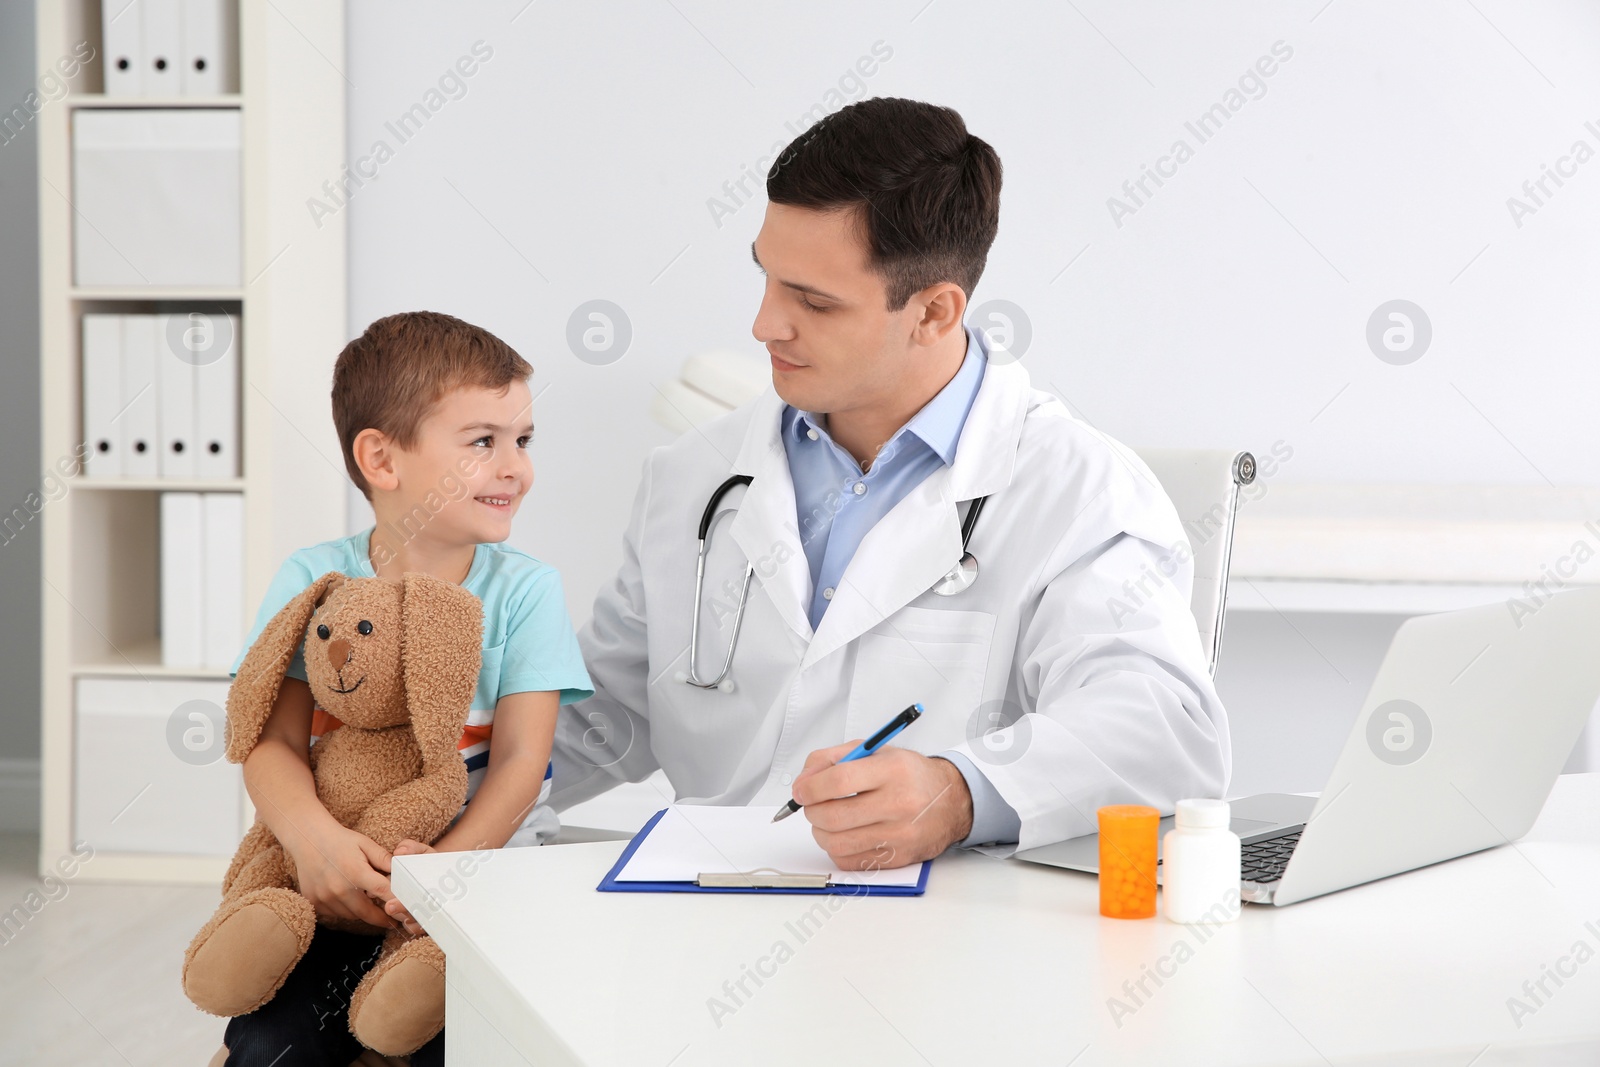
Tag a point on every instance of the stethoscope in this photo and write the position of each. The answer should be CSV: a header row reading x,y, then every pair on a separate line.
x,y
957,579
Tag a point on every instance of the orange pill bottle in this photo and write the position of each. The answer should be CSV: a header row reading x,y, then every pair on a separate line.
x,y
1128,861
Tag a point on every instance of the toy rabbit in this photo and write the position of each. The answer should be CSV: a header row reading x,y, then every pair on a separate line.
x,y
396,663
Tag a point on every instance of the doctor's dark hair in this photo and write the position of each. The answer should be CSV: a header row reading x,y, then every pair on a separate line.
x,y
390,377
926,191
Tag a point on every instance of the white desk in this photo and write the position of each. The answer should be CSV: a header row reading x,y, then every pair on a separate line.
x,y
1009,963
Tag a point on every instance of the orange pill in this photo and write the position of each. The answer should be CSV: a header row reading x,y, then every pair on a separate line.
x,y
1128,860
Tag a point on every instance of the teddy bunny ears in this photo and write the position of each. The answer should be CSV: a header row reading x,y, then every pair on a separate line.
x,y
440,647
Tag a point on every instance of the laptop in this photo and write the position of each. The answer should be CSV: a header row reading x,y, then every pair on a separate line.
x,y
1459,741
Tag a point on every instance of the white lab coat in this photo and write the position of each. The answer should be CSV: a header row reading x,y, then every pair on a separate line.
x,y
1077,632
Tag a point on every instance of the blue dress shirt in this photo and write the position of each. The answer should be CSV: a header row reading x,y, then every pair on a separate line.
x,y
837,503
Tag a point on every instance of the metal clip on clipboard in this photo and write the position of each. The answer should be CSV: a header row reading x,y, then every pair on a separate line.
x,y
760,878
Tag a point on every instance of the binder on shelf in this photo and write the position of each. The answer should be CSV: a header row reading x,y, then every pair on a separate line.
x,y
182,563
161,395
120,31
139,413
102,395
222,577
175,380
209,29
163,46
156,196
217,402
202,578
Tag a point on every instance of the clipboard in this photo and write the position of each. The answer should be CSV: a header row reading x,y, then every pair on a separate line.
x,y
757,880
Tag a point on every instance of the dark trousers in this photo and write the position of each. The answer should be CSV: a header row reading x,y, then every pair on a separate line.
x,y
305,1024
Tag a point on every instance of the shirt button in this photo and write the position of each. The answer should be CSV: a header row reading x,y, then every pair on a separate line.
x,y
811,434
787,779
827,594
861,487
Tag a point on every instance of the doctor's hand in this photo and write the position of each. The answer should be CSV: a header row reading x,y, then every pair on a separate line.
x,y
892,808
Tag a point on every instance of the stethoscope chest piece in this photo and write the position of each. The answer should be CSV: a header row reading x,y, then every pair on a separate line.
x,y
959,578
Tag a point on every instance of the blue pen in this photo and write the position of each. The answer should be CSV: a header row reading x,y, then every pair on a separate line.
x,y
865,748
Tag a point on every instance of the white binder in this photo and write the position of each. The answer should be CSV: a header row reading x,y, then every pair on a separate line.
x,y
175,381
120,33
163,46
217,402
102,395
209,28
139,413
222,580
182,564
156,196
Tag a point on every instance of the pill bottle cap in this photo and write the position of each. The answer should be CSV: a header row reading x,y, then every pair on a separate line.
x,y
1203,814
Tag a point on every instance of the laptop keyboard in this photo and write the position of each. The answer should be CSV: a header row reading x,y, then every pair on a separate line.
x,y
1264,861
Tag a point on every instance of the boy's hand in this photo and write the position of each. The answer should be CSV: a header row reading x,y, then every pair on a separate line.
x,y
397,911
345,875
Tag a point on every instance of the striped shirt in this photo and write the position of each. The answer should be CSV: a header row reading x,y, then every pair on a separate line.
x,y
528,645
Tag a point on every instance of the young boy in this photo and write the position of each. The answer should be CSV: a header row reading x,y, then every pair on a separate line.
x,y
434,417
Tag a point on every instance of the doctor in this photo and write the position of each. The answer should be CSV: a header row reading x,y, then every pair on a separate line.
x,y
1068,675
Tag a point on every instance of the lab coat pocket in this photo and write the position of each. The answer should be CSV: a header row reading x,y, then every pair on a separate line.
x,y
921,655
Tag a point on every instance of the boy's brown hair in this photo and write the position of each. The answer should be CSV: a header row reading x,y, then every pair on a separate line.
x,y
389,378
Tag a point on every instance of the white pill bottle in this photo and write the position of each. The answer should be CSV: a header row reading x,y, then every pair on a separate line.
x,y
1200,865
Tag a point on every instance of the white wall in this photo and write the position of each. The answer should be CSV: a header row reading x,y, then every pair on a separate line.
x,y
1229,308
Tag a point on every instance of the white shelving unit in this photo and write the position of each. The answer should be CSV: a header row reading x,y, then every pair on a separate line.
x,y
100,538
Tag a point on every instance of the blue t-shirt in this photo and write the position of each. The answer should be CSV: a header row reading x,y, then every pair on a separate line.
x,y
528,643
